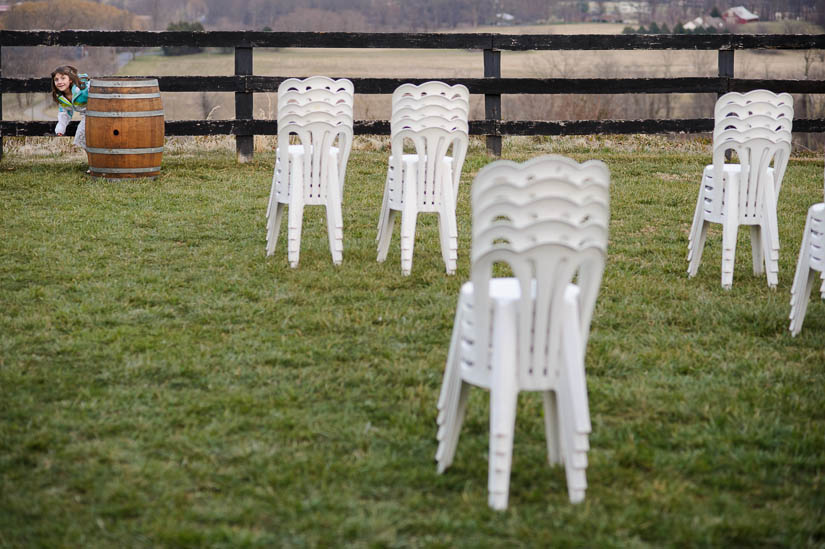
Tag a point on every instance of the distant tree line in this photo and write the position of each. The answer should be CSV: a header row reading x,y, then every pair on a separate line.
x,y
678,28
395,15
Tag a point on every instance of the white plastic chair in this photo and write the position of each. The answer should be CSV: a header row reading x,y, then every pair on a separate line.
x,y
754,183
811,259
548,219
311,172
426,181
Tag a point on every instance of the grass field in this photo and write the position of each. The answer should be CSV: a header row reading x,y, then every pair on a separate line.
x,y
163,384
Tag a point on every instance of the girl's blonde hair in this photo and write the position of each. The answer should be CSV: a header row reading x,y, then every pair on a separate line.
x,y
69,71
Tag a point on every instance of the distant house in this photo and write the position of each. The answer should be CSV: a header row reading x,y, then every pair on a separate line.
x,y
739,16
716,22
505,19
706,22
4,7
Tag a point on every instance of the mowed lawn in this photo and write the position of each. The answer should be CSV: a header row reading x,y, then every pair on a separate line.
x,y
164,384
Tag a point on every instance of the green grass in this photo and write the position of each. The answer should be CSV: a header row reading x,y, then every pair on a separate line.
x,y
163,384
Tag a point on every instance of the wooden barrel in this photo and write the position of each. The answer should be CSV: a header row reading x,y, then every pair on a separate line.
x,y
124,127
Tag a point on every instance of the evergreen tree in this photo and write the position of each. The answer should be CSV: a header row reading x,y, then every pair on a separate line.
x,y
183,50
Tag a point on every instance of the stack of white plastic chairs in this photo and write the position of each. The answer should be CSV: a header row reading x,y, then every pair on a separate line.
x,y
433,118
811,260
757,126
318,112
548,219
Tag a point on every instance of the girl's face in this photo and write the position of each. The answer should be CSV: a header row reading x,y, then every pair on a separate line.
x,y
62,82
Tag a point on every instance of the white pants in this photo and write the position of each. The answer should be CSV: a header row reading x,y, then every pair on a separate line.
x,y
80,135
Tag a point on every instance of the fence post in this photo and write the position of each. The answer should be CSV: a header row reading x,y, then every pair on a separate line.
x,y
1,105
244,144
726,71
492,102
726,66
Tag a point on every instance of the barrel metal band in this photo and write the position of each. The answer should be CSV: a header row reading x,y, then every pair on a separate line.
x,y
123,95
124,170
145,150
122,114
124,83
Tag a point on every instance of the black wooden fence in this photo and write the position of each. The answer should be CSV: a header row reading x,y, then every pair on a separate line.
x,y
492,86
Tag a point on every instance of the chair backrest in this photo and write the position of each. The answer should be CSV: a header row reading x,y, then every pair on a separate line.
x,y
548,220
782,124
308,108
757,108
293,97
432,137
755,96
420,112
342,85
756,148
430,90
455,103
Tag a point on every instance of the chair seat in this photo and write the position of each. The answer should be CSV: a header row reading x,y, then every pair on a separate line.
x,y
503,292
283,189
713,193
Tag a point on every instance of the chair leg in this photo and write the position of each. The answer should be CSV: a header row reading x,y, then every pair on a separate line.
x,y
448,235
551,427
698,232
503,398
409,217
335,218
695,253
274,228
385,202
335,231
770,239
295,220
803,281
799,303
447,228
757,250
451,419
452,400
730,227
386,235
574,412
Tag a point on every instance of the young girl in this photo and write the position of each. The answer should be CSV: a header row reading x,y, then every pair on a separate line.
x,y
71,93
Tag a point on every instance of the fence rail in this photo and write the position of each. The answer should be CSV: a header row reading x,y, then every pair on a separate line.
x,y
492,86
